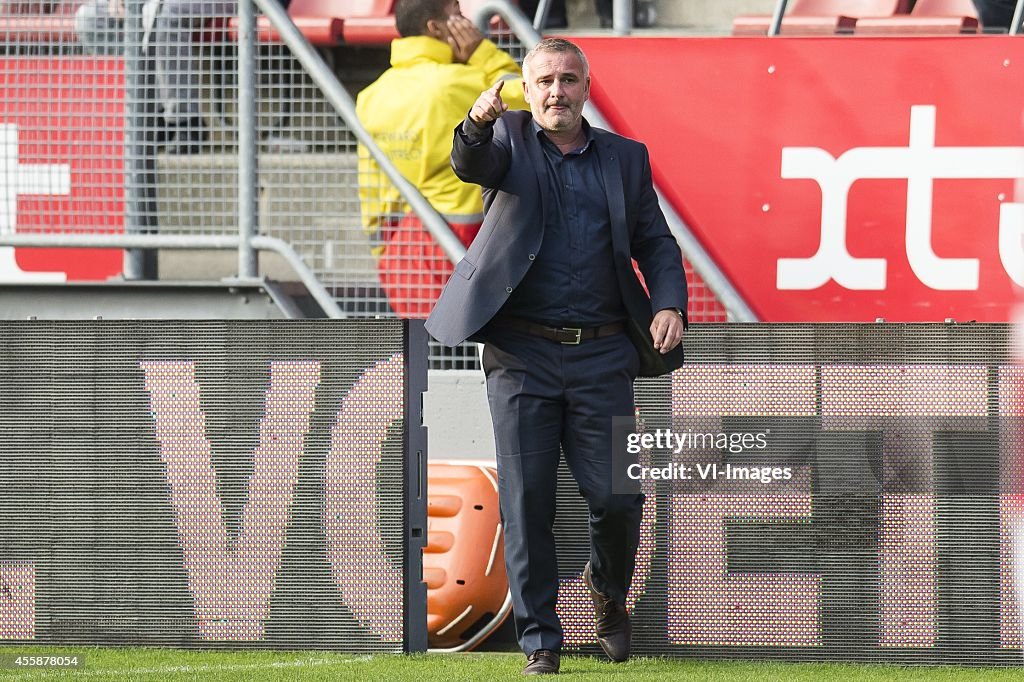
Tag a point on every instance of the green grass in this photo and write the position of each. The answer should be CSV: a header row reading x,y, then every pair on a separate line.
x,y
174,664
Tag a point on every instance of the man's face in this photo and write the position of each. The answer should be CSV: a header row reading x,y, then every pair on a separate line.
x,y
557,90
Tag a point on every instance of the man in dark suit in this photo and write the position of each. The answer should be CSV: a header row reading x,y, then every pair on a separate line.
x,y
550,289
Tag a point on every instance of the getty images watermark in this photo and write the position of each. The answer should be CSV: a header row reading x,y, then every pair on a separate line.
x,y
843,456
698,455
709,471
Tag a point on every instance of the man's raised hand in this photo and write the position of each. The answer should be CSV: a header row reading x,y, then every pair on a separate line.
x,y
488,106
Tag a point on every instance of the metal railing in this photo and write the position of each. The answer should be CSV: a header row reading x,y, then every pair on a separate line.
x,y
194,242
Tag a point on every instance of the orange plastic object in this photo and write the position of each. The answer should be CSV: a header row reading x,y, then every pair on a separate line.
x,y
464,561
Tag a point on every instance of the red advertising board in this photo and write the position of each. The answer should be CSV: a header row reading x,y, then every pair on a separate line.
x,y
62,134
836,179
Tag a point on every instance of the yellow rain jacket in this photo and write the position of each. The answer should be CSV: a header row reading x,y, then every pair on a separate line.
x,y
412,111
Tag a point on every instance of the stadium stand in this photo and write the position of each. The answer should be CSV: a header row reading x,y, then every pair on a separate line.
x,y
931,17
820,17
325,23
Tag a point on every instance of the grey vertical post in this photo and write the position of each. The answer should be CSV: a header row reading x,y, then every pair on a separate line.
x,y
776,25
541,16
622,17
139,145
1018,14
415,445
248,140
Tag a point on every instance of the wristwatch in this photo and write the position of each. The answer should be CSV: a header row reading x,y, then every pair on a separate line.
x,y
682,316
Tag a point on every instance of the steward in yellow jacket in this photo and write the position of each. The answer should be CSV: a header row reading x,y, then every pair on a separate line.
x,y
438,69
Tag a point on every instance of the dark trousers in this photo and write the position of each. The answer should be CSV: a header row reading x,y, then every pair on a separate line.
x,y
544,395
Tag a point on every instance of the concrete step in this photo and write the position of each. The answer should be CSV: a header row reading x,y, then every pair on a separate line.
x,y
309,200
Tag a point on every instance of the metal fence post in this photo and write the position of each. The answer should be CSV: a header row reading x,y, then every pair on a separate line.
x,y
139,144
776,25
248,141
622,17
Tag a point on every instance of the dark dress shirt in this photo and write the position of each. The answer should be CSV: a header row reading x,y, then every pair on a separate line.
x,y
572,280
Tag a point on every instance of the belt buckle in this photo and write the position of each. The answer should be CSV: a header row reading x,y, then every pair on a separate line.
x,y
576,341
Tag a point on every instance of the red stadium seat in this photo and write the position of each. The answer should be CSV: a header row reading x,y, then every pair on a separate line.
x,y
38,22
374,24
44,28
352,22
820,17
929,17
332,22
35,7
377,27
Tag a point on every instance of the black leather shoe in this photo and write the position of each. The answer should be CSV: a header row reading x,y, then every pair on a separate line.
x,y
614,631
542,662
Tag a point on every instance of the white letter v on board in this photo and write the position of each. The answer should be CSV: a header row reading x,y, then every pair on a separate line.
x,y
231,581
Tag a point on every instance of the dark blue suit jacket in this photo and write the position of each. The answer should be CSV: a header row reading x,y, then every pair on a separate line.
x,y
508,167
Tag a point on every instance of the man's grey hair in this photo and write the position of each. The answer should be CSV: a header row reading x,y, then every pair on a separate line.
x,y
555,45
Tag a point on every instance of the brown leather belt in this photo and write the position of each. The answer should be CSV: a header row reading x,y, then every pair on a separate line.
x,y
570,336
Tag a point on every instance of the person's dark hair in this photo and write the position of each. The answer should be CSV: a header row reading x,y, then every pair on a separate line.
x,y
556,45
411,16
